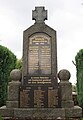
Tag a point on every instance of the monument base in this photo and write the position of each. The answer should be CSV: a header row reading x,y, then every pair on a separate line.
x,y
40,113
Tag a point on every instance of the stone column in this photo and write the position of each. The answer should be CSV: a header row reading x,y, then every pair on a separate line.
x,y
13,89
65,89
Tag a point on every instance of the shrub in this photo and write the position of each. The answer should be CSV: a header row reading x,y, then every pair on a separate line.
x,y
7,63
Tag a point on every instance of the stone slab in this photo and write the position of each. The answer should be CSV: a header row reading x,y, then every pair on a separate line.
x,y
43,113
76,111
6,112
12,104
67,104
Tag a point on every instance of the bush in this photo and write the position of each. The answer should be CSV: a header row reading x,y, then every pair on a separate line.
x,y
79,69
19,64
7,63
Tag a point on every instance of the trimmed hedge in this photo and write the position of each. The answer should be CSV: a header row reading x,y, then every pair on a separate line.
x,y
7,63
79,74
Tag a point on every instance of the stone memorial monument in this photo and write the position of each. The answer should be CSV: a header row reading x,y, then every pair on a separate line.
x,y
35,93
39,81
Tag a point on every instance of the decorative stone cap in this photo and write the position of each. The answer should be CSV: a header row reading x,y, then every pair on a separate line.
x,y
16,75
64,75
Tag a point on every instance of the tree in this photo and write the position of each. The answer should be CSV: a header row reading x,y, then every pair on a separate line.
x,y
79,68
74,88
7,63
19,64
79,74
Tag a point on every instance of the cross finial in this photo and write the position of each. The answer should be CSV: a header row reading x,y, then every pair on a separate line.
x,y
39,14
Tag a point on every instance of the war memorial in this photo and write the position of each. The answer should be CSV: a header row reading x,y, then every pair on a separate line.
x,y
34,93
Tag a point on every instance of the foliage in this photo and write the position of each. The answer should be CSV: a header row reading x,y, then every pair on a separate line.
x,y
7,63
81,118
19,64
79,69
74,88
1,118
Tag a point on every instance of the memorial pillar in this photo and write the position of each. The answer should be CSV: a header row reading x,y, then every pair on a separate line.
x,y
65,89
13,89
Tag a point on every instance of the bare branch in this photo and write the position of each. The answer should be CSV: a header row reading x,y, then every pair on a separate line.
x,y
73,62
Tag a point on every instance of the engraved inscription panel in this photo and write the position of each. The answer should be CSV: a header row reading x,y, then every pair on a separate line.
x,y
25,97
39,80
38,97
39,55
52,97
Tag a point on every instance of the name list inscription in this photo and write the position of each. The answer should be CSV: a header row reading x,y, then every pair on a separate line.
x,y
39,59
38,97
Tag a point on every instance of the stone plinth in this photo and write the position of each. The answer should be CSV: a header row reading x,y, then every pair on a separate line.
x,y
6,112
73,112
42,113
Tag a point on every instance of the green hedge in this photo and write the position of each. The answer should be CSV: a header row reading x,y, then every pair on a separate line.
x,y
19,64
7,63
79,69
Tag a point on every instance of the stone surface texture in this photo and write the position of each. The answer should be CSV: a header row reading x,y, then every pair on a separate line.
x,y
13,94
73,112
42,113
16,75
6,112
64,75
12,104
13,89
65,89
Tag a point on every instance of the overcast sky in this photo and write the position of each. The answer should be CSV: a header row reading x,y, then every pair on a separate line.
x,y
65,16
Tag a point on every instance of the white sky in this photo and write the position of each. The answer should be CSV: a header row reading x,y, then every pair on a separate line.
x,y
65,16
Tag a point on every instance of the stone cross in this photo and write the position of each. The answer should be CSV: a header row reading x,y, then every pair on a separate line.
x,y
39,14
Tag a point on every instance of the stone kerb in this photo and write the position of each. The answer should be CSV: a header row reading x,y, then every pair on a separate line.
x,y
13,89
